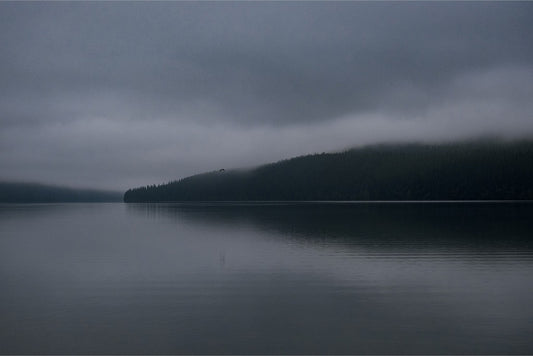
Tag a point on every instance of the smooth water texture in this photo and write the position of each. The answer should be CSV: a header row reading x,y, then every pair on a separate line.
x,y
267,278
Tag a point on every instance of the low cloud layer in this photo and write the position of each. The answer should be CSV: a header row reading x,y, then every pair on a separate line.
x,y
115,95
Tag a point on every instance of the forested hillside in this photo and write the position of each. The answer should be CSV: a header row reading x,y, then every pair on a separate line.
x,y
481,170
39,193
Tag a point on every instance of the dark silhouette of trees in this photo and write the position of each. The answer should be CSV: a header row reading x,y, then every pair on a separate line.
x,y
478,170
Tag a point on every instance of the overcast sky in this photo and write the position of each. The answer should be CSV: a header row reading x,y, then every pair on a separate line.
x,y
117,94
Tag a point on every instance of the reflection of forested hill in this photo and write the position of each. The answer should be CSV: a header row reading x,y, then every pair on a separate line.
x,y
467,226
39,193
459,171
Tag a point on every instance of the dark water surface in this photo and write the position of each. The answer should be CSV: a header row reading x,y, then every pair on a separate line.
x,y
267,278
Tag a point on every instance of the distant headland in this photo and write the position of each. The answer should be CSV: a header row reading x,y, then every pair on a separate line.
x,y
18,192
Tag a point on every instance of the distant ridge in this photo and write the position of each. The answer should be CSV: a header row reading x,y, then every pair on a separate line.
x,y
478,170
17,192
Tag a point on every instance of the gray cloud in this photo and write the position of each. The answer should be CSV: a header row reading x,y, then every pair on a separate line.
x,y
120,94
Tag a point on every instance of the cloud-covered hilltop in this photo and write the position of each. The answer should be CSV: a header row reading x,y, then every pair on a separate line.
x,y
114,94
481,170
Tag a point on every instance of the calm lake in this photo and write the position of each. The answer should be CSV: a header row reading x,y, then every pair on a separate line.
x,y
267,278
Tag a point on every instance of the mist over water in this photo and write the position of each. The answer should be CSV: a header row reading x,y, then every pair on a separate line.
x,y
266,278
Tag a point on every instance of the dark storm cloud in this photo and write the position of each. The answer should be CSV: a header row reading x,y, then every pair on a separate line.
x,y
108,91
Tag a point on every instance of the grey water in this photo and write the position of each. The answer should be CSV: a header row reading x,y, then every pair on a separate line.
x,y
266,278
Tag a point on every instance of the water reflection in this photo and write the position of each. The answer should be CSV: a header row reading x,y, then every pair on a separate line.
x,y
478,227
266,278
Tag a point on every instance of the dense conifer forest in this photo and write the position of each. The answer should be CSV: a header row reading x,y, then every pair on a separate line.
x,y
480,170
39,193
